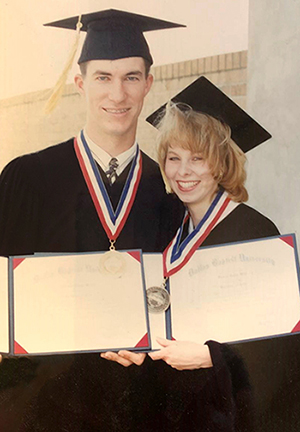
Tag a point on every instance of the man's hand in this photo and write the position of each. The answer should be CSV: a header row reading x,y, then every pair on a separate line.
x,y
0,358
125,358
183,355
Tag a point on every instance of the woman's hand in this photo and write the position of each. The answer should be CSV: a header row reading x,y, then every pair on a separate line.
x,y
183,355
125,358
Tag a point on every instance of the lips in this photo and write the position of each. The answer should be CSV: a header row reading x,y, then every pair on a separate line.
x,y
116,111
187,186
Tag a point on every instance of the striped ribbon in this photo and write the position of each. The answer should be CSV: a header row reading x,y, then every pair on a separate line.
x,y
176,255
112,220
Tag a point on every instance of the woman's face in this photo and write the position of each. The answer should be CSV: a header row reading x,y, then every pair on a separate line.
x,y
190,176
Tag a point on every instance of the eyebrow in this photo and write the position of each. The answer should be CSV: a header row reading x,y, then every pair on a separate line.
x,y
100,72
136,72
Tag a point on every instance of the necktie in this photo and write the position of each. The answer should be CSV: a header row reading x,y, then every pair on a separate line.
x,y
111,172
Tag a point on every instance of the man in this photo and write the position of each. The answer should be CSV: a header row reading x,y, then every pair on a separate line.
x,y
47,205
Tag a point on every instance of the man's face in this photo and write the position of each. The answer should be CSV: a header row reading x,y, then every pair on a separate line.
x,y
114,91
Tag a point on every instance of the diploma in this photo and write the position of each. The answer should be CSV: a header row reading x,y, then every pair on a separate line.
x,y
78,303
230,293
237,292
153,266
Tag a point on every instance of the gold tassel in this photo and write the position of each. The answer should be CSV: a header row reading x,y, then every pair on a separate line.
x,y
60,84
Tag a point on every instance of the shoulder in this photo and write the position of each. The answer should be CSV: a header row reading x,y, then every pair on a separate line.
x,y
243,223
56,154
249,217
48,154
36,173
34,165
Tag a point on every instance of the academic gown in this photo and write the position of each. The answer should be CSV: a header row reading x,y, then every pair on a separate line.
x,y
85,393
45,206
253,386
217,399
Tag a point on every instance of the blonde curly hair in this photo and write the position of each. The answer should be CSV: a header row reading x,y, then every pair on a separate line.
x,y
202,133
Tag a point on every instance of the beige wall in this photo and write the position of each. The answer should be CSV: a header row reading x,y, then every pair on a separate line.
x,y
25,128
274,98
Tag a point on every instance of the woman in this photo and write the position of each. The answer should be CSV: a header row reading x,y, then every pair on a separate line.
x,y
202,165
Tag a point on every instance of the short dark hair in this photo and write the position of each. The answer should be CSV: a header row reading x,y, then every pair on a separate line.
x,y
83,67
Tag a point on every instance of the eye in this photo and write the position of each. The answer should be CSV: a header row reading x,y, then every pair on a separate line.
x,y
197,158
102,78
132,78
173,158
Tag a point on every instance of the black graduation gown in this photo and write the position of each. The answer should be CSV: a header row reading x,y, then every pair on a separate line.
x,y
217,399
254,386
273,363
45,206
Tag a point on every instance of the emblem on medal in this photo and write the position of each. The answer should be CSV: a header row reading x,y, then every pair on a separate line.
x,y
113,263
158,299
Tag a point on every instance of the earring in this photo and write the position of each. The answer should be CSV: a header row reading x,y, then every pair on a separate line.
x,y
220,177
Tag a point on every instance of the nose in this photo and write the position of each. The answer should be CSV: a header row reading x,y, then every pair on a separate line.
x,y
184,168
117,92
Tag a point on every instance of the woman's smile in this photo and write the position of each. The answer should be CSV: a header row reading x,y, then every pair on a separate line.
x,y
190,176
187,186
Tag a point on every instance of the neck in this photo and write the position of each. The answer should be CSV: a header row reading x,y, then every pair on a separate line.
x,y
197,211
114,145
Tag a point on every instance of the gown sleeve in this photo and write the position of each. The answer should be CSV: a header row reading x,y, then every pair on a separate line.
x,y
21,200
234,394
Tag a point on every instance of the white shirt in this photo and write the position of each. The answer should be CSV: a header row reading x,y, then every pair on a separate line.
x,y
103,158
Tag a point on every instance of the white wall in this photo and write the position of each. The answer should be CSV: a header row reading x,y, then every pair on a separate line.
x,y
274,100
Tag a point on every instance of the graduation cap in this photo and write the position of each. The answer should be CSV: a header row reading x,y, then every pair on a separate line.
x,y
205,97
114,34
111,34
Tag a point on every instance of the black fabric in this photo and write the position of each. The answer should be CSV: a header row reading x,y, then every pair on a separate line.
x,y
203,96
45,206
114,34
243,223
264,374
218,399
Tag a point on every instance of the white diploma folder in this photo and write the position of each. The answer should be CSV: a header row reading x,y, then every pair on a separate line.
x,y
67,303
154,277
235,292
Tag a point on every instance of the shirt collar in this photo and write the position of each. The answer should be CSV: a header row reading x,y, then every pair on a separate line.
x,y
103,158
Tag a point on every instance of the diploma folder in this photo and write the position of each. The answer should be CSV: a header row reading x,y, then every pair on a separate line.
x,y
67,303
232,293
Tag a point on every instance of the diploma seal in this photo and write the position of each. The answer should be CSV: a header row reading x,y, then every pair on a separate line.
x,y
113,263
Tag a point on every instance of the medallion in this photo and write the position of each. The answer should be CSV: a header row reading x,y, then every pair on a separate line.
x,y
158,299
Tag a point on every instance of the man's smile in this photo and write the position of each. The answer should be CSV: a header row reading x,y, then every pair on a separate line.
x,y
116,111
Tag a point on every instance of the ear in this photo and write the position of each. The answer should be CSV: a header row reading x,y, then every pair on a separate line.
x,y
79,83
149,82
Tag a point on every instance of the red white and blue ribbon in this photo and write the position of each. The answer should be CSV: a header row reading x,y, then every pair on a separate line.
x,y
177,254
112,220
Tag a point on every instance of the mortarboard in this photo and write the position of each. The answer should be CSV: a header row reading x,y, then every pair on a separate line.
x,y
205,97
114,34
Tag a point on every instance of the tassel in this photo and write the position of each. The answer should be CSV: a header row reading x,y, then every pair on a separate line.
x,y
60,85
